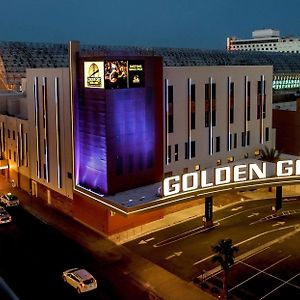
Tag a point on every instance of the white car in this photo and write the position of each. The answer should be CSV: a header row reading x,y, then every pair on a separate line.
x,y
5,217
80,279
9,200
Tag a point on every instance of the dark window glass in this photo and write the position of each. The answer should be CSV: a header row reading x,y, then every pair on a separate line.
x,y
186,152
193,148
169,154
267,134
176,152
119,165
235,140
218,144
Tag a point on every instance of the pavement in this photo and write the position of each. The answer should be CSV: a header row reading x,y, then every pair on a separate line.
x,y
159,283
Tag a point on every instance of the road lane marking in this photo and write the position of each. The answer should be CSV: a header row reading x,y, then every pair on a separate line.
x,y
175,254
287,282
184,235
253,215
250,239
236,208
143,242
278,223
260,271
266,273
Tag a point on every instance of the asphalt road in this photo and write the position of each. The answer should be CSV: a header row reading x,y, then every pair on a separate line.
x,y
34,255
185,249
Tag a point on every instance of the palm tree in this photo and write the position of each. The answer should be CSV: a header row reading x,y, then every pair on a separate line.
x,y
225,257
270,154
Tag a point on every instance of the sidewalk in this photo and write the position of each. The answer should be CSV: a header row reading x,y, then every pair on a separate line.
x,y
160,283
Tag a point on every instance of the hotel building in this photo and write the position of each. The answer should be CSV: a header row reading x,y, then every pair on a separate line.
x,y
95,133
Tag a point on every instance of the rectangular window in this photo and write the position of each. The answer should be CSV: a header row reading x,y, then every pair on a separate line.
x,y
218,146
210,104
267,134
187,150
248,138
193,106
14,135
15,157
193,148
261,99
243,139
170,109
235,140
176,152
130,163
9,154
8,133
169,154
248,101
231,103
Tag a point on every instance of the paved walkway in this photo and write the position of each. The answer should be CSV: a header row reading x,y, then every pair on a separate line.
x,y
160,283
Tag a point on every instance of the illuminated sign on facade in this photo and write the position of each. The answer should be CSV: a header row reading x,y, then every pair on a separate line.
x,y
94,74
225,175
114,74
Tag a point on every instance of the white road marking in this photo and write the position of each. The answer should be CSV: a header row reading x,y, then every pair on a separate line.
x,y
247,240
142,242
279,223
260,271
176,254
287,282
253,215
236,208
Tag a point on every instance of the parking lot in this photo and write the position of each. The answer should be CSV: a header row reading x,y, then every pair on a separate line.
x,y
271,273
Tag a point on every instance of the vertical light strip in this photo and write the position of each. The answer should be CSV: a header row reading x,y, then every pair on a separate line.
x,y
189,117
36,123
263,104
210,121
58,159
228,113
26,149
45,118
2,137
20,134
166,120
246,112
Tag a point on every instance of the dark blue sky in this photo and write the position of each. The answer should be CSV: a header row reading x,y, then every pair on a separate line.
x,y
170,23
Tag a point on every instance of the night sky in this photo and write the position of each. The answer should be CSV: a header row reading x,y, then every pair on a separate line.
x,y
165,23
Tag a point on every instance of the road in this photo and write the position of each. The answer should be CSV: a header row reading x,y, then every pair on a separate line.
x,y
185,249
34,255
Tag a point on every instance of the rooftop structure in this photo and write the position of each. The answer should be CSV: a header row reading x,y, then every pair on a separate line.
x,y
16,57
266,40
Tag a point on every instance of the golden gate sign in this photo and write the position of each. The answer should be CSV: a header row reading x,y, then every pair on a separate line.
x,y
229,174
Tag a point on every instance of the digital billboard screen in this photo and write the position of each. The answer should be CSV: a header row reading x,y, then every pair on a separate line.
x,y
114,74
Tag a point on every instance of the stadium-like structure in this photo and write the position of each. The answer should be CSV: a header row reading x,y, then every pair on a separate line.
x,y
16,57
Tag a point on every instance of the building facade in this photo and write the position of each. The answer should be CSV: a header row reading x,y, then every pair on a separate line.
x,y
98,148
267,40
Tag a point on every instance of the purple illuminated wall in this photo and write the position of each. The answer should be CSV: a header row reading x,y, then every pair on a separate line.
x,y
118,133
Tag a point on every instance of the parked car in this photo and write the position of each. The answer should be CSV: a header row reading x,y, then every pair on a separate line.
x,y
9,200
80,279
5,217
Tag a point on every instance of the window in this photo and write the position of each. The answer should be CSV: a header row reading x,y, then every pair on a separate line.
x,y
176,152
15,157
170,109
9,154
14,135
267,134
193,106
210,104
248,138
187,150
261,99
169,154
130,163
218,144
248,100
235,140
8,133
243,139
231,102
